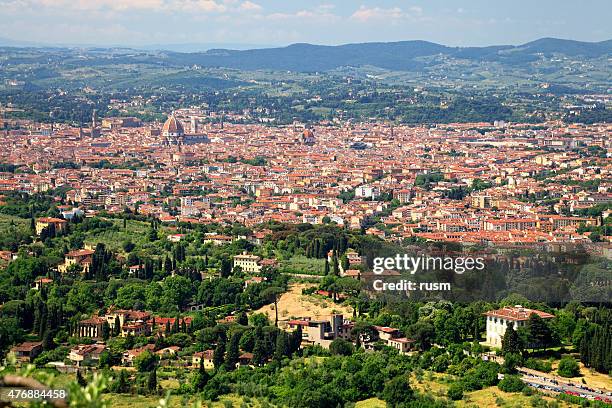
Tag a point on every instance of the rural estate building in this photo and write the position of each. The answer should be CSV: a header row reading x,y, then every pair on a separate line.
x,y
26,352
498,320
92,327
43,223
321,332
81,257
203,356
86,354
247,262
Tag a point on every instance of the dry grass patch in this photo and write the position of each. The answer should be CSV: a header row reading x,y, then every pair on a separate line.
x,y
294,304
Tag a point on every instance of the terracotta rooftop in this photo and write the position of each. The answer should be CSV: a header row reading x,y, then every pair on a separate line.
x,y
517,313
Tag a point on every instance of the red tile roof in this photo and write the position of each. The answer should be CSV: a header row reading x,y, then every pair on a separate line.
x,y
517,313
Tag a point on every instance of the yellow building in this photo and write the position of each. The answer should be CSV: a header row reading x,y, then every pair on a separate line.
x,y
58,223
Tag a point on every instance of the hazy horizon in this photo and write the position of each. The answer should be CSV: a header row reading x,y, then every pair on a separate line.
x,y
273,23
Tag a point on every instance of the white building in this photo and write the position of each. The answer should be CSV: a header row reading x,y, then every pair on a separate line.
x,y
499,320
247,262
367,192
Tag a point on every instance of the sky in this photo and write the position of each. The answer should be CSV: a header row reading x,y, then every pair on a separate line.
x,y
283,22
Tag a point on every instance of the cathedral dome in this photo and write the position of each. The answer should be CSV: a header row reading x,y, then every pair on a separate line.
x,y
173,127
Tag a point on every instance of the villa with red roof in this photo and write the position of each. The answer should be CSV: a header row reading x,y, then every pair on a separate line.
x,y
499,320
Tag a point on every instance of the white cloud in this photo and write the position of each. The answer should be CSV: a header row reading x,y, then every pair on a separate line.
x,y
208,6
250,6
313,15
365,14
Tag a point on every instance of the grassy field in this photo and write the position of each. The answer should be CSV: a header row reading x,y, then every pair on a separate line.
x,y
493,397
437,385
371,403
303,265
177,401
7,220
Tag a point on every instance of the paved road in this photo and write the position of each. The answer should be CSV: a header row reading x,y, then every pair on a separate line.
x,y
545,382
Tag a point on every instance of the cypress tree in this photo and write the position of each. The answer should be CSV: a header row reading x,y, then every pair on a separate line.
x,y
152,381
80,380
48,343
282,346
202,377
259,352
117,327
105,331
122,382
296,340
335,264
321,252
167,265
233,352
175,326
219,354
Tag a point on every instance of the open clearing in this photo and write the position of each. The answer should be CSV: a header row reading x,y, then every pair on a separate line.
x,y
294,304
371,403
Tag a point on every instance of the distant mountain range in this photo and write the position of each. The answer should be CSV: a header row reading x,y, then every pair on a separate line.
x,y
403,55
398,56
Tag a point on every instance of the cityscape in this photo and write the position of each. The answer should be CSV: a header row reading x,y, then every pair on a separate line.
x,y
371,224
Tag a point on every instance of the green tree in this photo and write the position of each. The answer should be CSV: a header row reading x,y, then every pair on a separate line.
x,y
423,333
539,333
152,381
152,235
511,383
455,391
511,361
511,342
259,352
233,352
117,327
282,346
200,378
105,331
121,384
568,367
341,347
397,392
219,354
145,361
48,343
242,319
80,380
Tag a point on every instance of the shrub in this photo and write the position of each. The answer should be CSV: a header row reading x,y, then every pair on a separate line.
x,y
341,347
511,383
440,363
538,365
568,367
455,391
